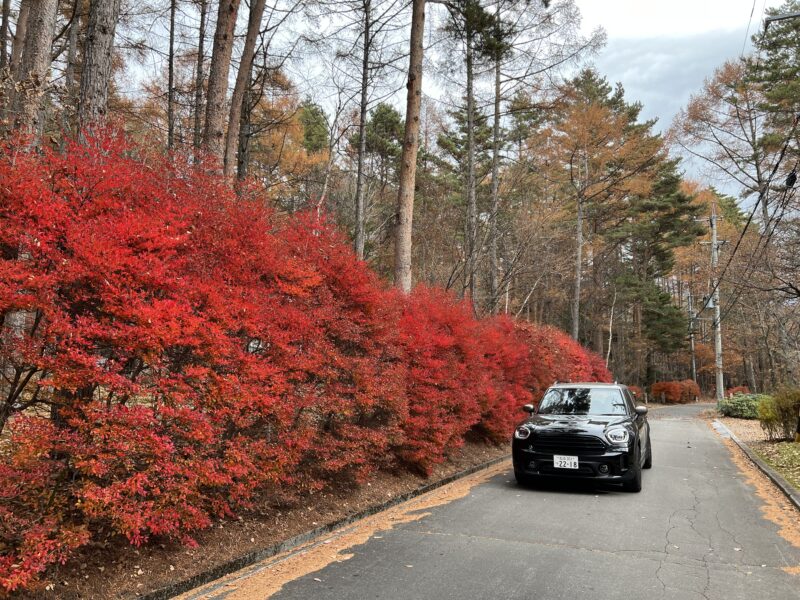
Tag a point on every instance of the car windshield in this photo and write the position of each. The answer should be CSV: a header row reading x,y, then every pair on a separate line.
x,y
582,401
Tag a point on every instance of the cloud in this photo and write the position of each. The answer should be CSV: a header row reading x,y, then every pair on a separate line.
x,y
663,72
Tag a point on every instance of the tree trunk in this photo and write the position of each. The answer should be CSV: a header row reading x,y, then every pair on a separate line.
x,y
493,262
611,328
214,132
750,374
98,50
408,165
243,154
242,84
362,137
171,78
576,299
6,15
198,79
33,66
19,37
472,210
72,59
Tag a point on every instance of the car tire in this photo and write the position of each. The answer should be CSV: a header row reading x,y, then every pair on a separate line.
x,y
634,484
648,463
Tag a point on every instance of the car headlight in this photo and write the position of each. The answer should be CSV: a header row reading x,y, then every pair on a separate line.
x,y
618,435
522,433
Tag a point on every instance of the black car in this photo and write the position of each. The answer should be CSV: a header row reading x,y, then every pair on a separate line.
x,y
591,431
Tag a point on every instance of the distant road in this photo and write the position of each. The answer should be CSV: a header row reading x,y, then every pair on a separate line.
x,y
695,531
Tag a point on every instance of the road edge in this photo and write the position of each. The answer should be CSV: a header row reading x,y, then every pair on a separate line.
x,y
787,488
236,564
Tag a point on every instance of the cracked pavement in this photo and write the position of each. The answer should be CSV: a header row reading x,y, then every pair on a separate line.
x,y
695,531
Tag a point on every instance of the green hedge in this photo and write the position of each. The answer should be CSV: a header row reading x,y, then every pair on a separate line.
x,y
778,413
741,406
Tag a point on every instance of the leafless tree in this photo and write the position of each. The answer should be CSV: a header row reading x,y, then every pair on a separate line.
x,y
408,165
97,55
214,131
34,64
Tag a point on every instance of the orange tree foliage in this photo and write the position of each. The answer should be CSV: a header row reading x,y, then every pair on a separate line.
x,y
171,352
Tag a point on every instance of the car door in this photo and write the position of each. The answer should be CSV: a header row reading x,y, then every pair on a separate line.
x,y
640,421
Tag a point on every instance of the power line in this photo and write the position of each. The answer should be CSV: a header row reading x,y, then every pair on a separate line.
x,y
751,263
770,229
761,194
747,31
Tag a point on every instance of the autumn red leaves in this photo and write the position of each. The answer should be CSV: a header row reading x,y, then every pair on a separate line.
x,y
172,352
675,392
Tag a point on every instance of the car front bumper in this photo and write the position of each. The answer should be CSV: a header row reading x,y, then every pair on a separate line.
x,y
619,463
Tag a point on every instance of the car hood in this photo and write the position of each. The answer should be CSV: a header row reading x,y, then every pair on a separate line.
x,y
593,424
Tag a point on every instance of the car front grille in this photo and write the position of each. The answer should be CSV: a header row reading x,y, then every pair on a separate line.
x,y
569,444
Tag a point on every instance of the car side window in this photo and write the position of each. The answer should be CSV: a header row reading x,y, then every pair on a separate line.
x,y
629,399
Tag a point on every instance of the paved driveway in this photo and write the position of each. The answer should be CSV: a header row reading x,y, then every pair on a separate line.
x,y
696,530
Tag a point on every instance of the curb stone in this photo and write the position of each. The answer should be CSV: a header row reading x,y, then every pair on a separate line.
x,y
787,488
256,556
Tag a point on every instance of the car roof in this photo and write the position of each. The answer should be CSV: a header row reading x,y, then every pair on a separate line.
x,y
593,384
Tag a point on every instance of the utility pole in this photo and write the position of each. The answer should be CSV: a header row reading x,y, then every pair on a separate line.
x,y
691,334
715,300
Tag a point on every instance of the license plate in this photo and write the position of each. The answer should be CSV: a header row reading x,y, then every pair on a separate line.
x,y
565,462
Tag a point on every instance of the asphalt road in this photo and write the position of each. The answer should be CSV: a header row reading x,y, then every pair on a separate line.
x,y
695,531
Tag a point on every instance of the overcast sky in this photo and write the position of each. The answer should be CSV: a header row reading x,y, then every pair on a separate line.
x,y
662,51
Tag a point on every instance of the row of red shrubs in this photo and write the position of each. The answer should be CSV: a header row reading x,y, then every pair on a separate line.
x,y
177,351
675,392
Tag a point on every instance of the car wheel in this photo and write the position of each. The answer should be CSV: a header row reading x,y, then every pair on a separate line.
x,y
648,463
635,484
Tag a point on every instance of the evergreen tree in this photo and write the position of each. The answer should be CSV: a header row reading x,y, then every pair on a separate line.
x,y
454,143
775,69
656,223
384,140
315,127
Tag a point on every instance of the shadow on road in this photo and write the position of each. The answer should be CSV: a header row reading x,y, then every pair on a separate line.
x,y
565,486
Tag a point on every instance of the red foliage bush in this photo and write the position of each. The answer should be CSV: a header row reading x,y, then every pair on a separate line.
x,y
675,392
194,351
504,371
691,391
741,389
670,392
554,356
436,334
637,392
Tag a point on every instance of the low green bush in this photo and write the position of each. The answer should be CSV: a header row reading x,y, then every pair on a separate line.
x,y
778,413
741,406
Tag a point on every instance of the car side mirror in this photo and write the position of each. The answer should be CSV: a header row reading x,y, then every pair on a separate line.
x,y
529,408
641,410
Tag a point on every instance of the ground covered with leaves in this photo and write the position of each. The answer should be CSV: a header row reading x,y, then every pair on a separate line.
x,y
783,456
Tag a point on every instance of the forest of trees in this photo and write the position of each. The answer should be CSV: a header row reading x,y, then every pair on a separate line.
x,y
246,246
524,180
